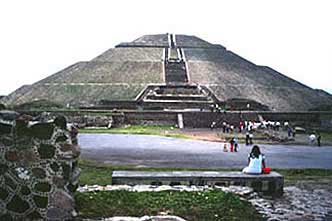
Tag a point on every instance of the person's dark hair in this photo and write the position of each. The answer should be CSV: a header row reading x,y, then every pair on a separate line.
x,y
255,151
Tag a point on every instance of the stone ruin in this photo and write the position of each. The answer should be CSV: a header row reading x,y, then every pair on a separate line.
x,y
38,168
168,71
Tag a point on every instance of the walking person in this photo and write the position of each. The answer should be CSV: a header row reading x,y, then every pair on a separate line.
x,y
319,137
227,128
236,144
277,126
245,125
232,144
224,127
251,136
240,127
247,138
289,131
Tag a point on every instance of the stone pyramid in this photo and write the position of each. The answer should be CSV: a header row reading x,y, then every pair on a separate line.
x,y
168,70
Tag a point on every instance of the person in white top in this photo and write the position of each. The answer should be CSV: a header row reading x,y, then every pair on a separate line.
x,y
312,138
256,161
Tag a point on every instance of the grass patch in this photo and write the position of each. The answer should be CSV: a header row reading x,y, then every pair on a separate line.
x,y
159,130
96,173
300,173
101,174
326,136
306,177
202,206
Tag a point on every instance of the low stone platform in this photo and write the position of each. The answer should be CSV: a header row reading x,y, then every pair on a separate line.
x,y
268,184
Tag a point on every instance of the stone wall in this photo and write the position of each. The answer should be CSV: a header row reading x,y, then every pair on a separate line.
x,y
313,119
205,119
38,168
192,119
151,118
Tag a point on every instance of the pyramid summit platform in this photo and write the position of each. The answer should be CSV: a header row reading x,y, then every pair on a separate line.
x,y
169,71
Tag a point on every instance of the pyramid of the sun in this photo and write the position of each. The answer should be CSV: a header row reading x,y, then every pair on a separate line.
x,y
170,69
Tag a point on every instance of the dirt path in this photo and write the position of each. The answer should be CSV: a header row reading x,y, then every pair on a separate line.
x,y
216,135
157,151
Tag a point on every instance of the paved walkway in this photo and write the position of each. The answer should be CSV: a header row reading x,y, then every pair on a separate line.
x,y
155,151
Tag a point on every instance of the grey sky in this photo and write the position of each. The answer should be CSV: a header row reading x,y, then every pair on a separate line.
x,y
41,37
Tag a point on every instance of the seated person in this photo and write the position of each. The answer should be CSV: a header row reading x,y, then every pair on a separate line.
x,y
256,162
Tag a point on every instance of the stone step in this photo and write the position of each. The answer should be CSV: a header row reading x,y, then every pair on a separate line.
x,y
179,91
269,184
179,101
178,97
175,71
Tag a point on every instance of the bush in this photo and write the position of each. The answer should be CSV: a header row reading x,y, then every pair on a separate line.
x,y
2,106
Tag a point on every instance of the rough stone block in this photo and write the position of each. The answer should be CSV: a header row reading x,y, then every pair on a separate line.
x,y
37,182
275,180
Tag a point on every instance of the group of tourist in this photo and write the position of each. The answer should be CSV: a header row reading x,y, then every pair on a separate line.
x,y
247,126
230,128
234,145
256,160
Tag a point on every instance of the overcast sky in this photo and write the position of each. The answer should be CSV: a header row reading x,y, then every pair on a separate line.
x,y
41,37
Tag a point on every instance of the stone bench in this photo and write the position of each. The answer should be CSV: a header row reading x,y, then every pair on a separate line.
x,y
268,184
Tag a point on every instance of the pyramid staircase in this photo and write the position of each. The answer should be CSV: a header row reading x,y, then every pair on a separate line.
x,y
175,66
177,93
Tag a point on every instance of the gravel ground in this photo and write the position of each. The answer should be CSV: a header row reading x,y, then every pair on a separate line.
x,y
156,151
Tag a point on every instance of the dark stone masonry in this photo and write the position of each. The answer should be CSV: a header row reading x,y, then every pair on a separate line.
x,y
38,169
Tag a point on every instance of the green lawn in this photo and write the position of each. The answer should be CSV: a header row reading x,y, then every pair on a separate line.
x,y
200,206
101,174
326,136
168,131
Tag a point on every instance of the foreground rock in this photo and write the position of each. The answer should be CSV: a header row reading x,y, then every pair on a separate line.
x,y
297,204
239,190
38,169
146,218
